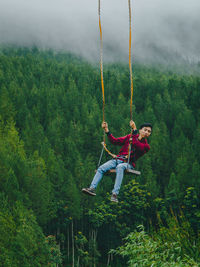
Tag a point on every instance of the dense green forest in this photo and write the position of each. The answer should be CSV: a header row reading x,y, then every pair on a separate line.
x,y
50,143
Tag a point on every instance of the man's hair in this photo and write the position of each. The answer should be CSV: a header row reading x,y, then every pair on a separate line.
x,y
146,124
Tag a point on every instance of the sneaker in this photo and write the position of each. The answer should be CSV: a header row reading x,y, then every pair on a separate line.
x,y
114,198
89,191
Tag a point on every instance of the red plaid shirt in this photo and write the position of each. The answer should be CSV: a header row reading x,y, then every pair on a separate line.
x,y
138,148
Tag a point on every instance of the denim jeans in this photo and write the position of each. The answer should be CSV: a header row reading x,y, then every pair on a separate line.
x,y
120,167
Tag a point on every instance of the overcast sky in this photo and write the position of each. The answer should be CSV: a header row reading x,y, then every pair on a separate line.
x,y
170,26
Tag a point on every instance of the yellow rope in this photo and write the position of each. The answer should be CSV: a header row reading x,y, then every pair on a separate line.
x,y
130,65
131,76
101,68
111,154
101,61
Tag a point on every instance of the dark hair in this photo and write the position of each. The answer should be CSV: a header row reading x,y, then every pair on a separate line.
x,y
146,124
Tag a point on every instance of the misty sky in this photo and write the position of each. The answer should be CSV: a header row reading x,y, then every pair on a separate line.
x,y
159,26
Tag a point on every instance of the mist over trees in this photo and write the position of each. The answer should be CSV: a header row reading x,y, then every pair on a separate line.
x,y
50,143
158,26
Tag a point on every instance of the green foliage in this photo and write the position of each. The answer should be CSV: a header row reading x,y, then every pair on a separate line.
x,y
50,134
140,249
83,254
177,228
54,251
191,206
22,242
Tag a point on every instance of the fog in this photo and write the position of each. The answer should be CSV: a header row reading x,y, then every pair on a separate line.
x,y
161,29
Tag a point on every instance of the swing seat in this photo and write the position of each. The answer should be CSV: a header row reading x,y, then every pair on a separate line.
x,y
127,171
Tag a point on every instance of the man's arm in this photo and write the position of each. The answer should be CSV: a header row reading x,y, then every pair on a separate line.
x,y
133,125
113,140
134,130
104,125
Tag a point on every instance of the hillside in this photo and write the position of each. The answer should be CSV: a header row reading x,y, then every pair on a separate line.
x,y
50,134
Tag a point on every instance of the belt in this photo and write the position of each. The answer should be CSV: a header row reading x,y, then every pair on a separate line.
x,y
124,158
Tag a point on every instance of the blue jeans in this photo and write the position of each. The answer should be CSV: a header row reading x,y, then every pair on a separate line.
x,y
120,167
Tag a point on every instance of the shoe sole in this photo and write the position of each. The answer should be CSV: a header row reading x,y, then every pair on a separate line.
x,y
85,191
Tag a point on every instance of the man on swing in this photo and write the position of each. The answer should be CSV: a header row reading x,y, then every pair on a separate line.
x,y
138,147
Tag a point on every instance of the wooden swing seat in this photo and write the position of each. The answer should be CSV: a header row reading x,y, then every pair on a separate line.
x,y
127,171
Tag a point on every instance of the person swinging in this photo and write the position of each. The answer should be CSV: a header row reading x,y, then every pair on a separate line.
x,y
138,147
134,145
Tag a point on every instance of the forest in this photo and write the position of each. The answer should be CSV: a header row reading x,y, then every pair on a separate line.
x,y
50,144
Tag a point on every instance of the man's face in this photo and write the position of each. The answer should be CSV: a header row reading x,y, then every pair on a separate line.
x,y
145,132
